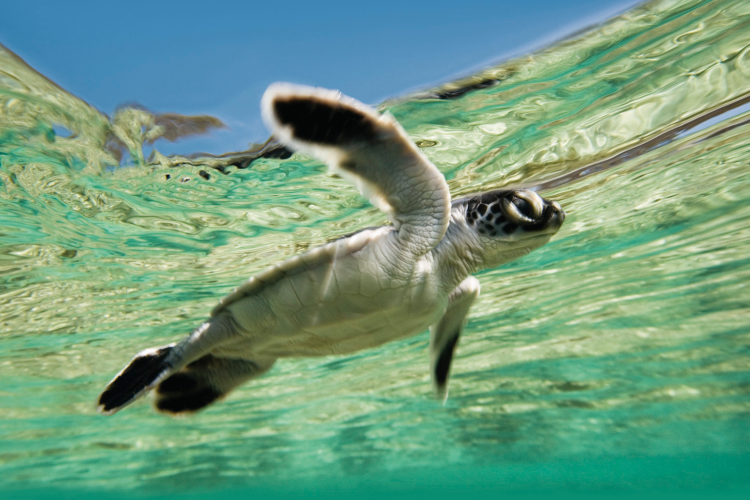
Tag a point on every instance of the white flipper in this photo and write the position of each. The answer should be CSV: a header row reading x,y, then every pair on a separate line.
x,y
444,336
371,150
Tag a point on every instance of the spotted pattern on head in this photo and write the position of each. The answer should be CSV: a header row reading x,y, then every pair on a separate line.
x,y
485,214
502,213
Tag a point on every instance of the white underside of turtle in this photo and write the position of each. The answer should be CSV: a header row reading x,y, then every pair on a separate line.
x,y
357,292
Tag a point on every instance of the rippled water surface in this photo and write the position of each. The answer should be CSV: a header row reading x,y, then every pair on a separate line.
x,y
616,356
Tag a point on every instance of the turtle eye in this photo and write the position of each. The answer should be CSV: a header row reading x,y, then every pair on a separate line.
x,y
523,206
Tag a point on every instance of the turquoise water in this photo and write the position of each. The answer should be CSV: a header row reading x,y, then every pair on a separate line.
x,y
616,358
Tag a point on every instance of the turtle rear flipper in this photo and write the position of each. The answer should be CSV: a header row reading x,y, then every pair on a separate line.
x,y
149,367
143,372
204,381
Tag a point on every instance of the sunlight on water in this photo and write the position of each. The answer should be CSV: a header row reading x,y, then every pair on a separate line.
x,y
624,338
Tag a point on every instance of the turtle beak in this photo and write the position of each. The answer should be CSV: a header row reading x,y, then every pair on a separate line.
x,y
557,214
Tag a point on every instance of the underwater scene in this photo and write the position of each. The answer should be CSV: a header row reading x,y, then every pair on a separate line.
x,y
615,358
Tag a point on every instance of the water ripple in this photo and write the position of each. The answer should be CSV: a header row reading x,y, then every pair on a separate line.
x,y
628,332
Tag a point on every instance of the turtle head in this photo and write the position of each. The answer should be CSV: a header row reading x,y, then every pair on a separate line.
x,y
511,223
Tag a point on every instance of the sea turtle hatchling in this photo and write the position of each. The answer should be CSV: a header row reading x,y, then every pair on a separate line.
x,y
357,292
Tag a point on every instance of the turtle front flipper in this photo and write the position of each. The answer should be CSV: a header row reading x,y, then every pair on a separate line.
x,y
371,150
444,336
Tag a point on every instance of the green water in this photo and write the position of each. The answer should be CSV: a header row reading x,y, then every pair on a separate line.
x,y
616,358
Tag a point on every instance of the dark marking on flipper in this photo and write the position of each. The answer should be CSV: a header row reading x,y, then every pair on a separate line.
x,y
198,384
318,121
189,401
443,365
178,383
142,372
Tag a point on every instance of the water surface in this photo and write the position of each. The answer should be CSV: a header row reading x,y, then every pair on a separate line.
x,y
616,357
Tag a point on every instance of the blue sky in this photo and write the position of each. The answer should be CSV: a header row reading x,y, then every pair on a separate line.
x,y
217,57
